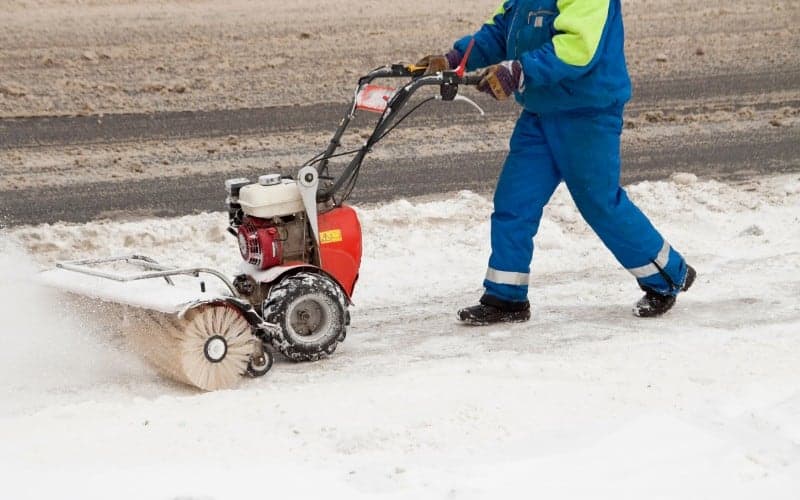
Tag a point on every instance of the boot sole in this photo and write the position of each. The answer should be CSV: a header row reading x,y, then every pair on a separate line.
x,y
477,322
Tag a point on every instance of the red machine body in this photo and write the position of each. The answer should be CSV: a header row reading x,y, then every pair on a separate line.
x,y
261,244
340,245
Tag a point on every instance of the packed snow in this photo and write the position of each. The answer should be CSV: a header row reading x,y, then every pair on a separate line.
x,y
584,401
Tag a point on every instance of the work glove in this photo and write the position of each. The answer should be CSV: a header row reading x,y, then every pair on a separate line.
x,y
436,63
503,79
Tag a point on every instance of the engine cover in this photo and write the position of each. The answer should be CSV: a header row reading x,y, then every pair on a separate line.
x,y
260,243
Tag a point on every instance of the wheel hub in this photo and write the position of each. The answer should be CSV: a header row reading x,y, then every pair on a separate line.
x,y
216,348
308,317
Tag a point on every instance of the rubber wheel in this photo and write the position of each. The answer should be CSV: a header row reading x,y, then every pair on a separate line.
x,y
259,367
311,311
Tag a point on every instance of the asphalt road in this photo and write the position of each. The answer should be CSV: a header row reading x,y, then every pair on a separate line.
x,y
689,94
734,155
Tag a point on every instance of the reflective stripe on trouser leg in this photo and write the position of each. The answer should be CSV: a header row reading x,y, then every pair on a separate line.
x,y
670,272
586,146
507,277
526,183
660,262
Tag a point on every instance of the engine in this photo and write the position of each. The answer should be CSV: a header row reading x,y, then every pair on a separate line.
x,y
268,220
272,226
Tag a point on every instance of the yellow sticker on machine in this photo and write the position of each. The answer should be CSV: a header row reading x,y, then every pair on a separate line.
x,y
330,236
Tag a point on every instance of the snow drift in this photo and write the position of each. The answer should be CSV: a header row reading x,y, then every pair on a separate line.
x,y
583,401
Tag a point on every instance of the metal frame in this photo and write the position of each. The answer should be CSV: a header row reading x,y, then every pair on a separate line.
x,y
156,270
448,81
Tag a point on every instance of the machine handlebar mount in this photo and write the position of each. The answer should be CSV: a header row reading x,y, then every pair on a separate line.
x,y
448,83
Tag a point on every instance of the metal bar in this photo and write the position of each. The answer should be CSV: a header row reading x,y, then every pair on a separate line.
x,y
134,259
160,271
149,263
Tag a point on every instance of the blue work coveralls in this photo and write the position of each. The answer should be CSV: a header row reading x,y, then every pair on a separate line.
x,y
575,87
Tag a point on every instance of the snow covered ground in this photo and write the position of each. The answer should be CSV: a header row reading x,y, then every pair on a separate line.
x,y
584,401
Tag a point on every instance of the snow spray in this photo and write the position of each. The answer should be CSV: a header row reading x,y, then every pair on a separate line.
x,y
46,350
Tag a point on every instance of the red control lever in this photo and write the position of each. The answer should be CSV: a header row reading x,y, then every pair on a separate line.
x,y
462,66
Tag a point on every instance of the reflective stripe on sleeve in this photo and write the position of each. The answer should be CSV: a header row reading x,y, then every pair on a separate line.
x,y
507,277
659,262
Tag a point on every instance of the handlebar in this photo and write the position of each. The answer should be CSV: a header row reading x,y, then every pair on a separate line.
x,y
448,82
472,80
416,73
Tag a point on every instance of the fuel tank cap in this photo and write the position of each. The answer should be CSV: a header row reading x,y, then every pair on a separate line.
x,y
269,179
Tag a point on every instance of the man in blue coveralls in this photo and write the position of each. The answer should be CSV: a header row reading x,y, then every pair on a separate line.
x,y
564,62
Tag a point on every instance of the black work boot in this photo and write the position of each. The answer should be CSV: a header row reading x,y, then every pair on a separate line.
x,y
655,304
494,310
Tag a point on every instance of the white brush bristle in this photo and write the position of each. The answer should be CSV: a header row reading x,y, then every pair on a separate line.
x,y
229,324
176,346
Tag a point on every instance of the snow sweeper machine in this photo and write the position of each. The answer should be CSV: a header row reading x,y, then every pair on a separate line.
x,y
301,250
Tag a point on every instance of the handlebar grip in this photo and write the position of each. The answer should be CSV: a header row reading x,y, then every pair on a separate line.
x,y
471,79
